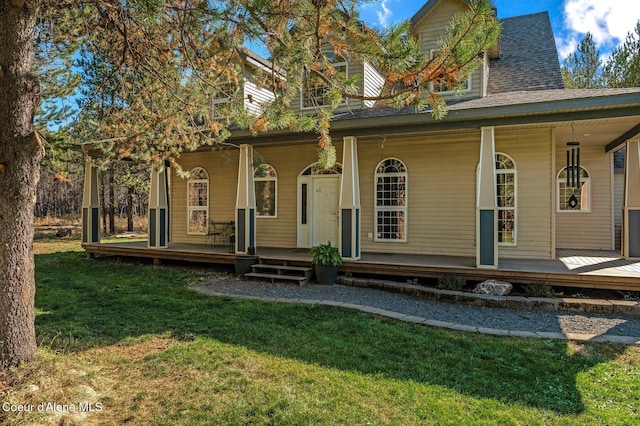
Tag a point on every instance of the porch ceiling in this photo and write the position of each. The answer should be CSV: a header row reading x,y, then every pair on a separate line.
x,y
598,132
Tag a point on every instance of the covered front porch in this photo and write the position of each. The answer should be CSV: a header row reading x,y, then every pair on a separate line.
x,y
572,268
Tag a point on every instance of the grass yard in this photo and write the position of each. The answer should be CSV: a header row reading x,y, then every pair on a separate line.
x,y
140,347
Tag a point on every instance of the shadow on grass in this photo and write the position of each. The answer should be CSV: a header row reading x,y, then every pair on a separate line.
x,y
82,304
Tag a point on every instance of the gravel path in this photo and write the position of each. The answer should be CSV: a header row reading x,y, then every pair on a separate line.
x,y
536,321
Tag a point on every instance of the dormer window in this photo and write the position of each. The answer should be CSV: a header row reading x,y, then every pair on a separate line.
x,y
443,87
315,92
222,96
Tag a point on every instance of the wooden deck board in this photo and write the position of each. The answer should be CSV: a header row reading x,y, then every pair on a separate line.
x,y
573,268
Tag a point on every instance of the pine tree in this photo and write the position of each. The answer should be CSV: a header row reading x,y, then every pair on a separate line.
x,y
623,67
168,58
582,68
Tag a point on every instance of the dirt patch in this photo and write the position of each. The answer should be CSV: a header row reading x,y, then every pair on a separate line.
x,y
138,351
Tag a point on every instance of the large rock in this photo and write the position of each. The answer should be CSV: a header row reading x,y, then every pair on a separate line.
x,y
63,232
493,287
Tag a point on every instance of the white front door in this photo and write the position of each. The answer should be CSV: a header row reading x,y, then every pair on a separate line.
x,y
325,210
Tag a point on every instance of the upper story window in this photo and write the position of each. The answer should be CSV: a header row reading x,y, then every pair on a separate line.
x,y
572,198
444,87
198,202
315,92
391,200
266,184
506,196
222,96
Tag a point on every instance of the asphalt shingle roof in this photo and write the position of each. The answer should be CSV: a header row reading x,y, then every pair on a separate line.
x,y
507,99
528,59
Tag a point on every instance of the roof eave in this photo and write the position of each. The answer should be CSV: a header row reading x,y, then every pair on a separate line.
x,y
533,113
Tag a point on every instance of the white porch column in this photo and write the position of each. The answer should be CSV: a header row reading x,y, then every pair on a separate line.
x,y
90,204
245,203
631,202
350,201
158,208
486,207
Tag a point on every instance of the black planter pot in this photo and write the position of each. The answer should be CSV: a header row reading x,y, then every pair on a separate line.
x,y
243,263
326,274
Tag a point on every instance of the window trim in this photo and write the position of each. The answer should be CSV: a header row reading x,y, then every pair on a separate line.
x,y
450,92
191,208
342,62
583,180
514,171
275,187
223,100
377,208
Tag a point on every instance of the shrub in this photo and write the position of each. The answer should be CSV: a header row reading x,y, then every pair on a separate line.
x,y
451,282
538,289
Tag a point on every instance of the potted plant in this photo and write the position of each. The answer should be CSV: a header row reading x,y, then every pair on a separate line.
x,y
326,260
231,235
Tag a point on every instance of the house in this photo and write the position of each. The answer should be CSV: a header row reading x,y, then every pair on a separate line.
x,y
489,181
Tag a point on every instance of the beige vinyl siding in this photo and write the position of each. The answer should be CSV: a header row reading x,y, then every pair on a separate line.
x,y
588,230
223,179
372,82
432,28
255,98
441,192
289,162
531,151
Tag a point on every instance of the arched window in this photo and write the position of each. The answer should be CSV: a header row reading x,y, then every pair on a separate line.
x,y
198,202
506,196
266,184
391,200
572,198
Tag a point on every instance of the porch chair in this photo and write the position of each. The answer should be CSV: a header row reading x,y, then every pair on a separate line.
x,y
213,234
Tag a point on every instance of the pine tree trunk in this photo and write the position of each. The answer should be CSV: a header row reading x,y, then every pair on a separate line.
x,y
112,203
103,196
130,209
20,155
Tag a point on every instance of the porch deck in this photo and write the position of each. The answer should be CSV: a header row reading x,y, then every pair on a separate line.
x,y
572,268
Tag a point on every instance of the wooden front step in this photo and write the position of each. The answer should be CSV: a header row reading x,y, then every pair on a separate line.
x,y
299,274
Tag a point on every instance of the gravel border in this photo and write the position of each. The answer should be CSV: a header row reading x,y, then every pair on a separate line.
x,y
579,326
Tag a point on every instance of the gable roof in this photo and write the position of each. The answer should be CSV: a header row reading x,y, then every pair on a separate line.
x,y
529,58
424,10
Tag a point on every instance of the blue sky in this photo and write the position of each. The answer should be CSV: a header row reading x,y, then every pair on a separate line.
x,y
608,20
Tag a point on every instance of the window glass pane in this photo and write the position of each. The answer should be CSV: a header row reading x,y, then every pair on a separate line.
x,y
506,222
198,174
315,92
391,200
198,221
303,207
506,198
391,225
197,194
266,197
265,171
197,201
572,198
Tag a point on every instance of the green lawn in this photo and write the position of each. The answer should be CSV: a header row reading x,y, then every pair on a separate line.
x,y
135,339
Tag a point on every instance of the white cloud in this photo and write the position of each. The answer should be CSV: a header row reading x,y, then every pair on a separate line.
x,y
384,14
608,21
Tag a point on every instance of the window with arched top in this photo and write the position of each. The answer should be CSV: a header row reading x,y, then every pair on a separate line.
x,y
266,185
198,202
574,197
506,193
391,200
